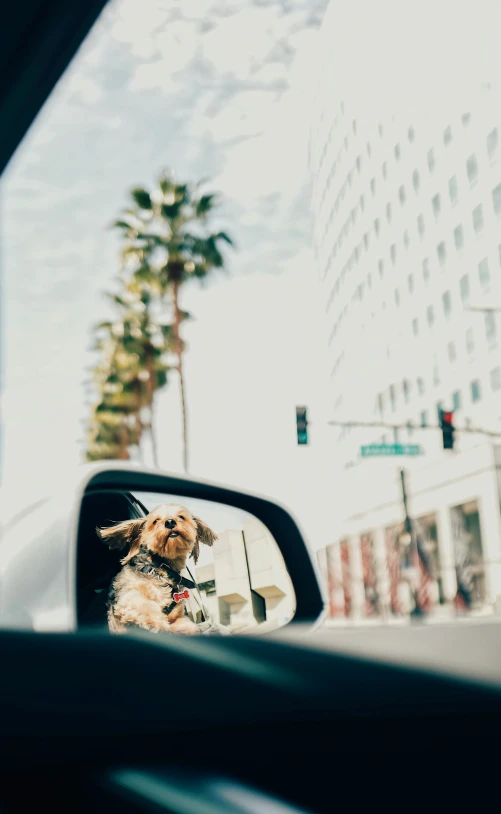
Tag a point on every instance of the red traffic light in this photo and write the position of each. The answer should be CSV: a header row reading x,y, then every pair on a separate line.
x,y
446,419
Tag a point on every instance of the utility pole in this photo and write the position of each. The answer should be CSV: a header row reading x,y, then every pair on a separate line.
x,y
411,541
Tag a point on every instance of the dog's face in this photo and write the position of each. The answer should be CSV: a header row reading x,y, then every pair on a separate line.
x,y
169,530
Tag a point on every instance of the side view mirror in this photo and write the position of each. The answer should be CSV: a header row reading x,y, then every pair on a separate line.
x,y
209,560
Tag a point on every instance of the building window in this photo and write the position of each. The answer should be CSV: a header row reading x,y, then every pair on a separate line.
x,y
475,390
426,269
362,203
354,127
410,134
447,303
492,144
397,296
406,239
380,129
472,168
496,199
380,268
478,218
440,407
424,418
435,202
393,253
388,212
483,273
420,386
377,227
415,181
366,241
384,169
456,400
410,283
442,253
470,340
490,328
401,194
466,118
496,379
373,186
358,163
406,389
420,225
369,149
464,288
458,237
451,351
380,403
430,315
447,135
453,190
431,160
397,152
415,327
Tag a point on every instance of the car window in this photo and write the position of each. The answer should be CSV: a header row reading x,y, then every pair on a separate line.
x,y
239,243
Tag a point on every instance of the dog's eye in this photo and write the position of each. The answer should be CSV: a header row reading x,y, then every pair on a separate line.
x,y
181,517
155,521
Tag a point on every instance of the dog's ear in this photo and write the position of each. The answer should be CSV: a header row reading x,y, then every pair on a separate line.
x,y
205,535
126,534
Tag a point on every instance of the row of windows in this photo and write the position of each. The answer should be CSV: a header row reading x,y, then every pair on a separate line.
x,y
475,394
483,266
458,233
492,144
472,171
472,167
447,300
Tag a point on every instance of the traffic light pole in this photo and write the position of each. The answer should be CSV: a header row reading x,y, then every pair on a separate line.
x,y
410,529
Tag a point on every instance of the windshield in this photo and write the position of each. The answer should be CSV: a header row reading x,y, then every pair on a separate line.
x,y
260,243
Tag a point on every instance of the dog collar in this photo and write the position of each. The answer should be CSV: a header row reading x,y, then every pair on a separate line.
x,y
157,563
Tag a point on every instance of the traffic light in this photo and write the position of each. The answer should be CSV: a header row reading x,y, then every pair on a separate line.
x,y
301,425
447,427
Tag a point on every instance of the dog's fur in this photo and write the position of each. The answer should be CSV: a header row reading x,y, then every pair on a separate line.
x,y
137,599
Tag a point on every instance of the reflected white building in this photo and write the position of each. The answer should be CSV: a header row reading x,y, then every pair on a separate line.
x,y
407,226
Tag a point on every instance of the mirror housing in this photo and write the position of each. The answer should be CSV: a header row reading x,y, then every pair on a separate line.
x,y
38,547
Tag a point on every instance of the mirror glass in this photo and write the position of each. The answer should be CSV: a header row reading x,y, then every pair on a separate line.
x,y
234,579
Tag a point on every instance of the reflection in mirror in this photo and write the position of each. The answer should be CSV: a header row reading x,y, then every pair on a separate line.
x,y
174,564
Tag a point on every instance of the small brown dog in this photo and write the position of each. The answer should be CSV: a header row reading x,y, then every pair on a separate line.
x,y
149,591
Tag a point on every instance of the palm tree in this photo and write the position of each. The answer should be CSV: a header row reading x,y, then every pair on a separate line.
x,y
132,368
167,242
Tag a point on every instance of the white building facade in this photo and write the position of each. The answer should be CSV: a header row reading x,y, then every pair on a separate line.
x,y
407,230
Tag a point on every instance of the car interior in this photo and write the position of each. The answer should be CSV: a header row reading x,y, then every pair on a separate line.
x,y
97,564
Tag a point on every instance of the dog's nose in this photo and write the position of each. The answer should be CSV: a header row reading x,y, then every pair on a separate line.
x,y
169,524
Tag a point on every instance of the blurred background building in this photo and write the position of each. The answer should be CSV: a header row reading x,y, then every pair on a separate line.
x,y
247,583
407,231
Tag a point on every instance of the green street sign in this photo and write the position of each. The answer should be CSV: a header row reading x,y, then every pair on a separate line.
x,y
375,450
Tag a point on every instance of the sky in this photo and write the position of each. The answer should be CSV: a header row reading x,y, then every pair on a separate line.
x,y
210,89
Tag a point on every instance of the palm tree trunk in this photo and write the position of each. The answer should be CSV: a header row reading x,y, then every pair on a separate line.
x,y
179,352
153,436
123,443
151,397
